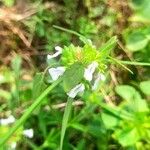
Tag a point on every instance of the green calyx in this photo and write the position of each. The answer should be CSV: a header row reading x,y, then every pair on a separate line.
x,y
85,55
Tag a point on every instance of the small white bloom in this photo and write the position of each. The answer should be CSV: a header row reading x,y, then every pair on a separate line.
x,y
6,121
89,40
58,48
28,133
100,77
58,52
88,73
56,72
13,145
77,89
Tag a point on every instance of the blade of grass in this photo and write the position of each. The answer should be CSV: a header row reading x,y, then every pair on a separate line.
x,y
37,102
65,120
118,62
124,115
81,37
67,30
134,63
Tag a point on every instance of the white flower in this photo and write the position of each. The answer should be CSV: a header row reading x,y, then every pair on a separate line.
x,y
58,48
28,133
100,77
6,121
56,72
90,42
13,145
58,52
77,89
88,73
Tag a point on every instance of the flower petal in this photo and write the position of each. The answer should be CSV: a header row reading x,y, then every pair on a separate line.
x,y
100,77
9,120
58,52
28,133
58,48
13,145
77,89
88,73
56,72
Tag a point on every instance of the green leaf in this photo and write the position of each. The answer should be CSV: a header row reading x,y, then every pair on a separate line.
x,y
110,121
78,126
107,47
136,41
127,92
9,3
141,8
145,87
65,120
73,76
133,98
38,85
16,65
28,112
127,137
141,105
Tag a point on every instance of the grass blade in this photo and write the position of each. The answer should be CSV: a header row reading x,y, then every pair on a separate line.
x,y
65,120
29,111
118,62
67,30
134,63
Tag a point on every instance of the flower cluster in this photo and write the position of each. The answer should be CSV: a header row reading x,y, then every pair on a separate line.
x,y
88,56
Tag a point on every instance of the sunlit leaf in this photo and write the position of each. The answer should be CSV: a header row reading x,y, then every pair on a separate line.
x,y
127,137
136,41
145,87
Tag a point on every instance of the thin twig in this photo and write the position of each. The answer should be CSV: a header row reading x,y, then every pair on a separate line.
x,y
17,31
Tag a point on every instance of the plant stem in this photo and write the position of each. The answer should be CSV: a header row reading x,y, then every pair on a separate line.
x,y
120,63
65,120
67,30
134,63
124,115
29,111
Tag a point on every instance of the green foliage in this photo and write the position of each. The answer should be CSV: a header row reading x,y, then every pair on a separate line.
x,y
136,41
15,138
141,9
127,92
38,85
145,86
74,74
107,47
113,117
8,3
86,27
65,120
88,53
129,133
